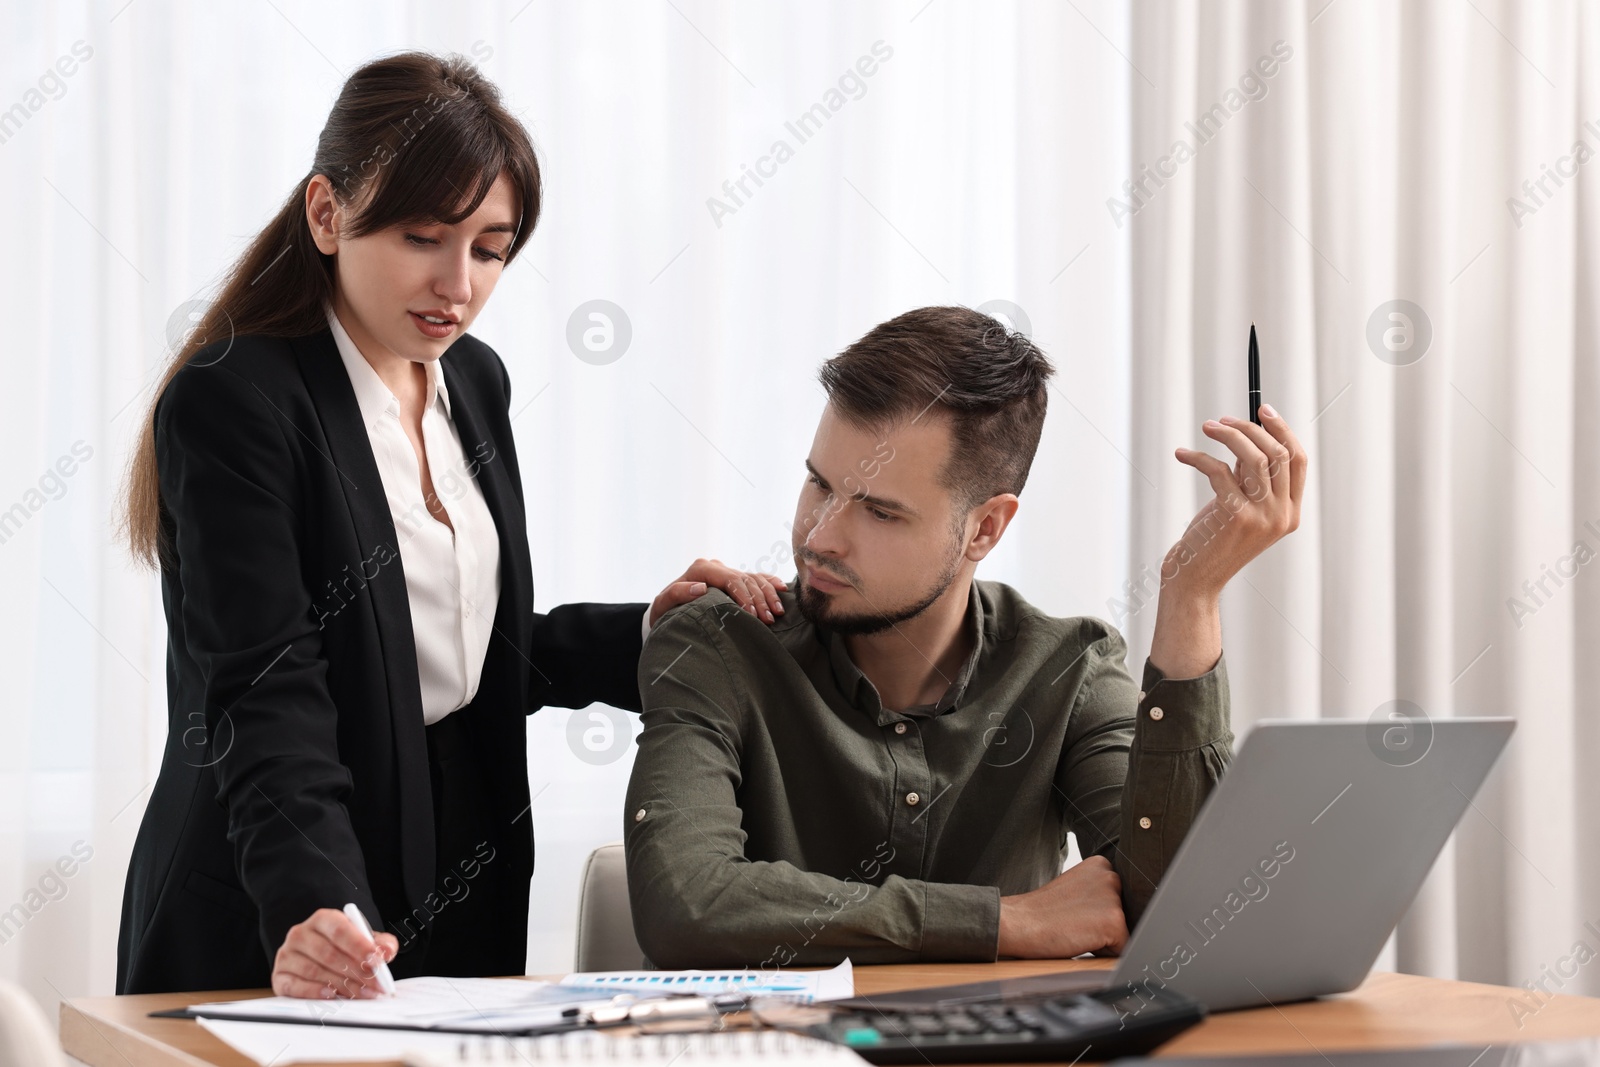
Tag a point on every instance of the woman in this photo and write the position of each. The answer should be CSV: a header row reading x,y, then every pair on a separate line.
x,y
329,485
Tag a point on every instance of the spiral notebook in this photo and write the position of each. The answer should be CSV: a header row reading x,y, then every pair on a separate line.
x,y
596,1049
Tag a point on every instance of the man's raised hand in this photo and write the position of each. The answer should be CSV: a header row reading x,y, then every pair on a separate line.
x,y
1257,501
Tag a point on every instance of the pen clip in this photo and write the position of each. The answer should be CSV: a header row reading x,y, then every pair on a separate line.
x,y
653,1010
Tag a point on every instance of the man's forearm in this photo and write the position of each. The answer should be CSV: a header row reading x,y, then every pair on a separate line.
x,y
707,911
1188,638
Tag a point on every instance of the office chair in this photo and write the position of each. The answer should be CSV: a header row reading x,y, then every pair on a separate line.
x,y
605,918
26,1039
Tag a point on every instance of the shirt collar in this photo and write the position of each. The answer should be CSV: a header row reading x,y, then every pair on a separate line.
x,y
860,691
372,396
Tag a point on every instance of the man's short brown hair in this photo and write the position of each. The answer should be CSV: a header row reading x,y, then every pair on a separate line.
x,y
988,380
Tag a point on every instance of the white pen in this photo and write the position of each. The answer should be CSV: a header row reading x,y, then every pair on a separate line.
x,y
381,971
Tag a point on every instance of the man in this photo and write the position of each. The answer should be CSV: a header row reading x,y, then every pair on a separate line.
x,y
890,772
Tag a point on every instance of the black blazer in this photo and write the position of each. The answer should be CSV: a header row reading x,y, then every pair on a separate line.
x,y
295,774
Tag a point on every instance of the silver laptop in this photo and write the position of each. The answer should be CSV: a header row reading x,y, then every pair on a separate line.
x,y
1299,865
1306,855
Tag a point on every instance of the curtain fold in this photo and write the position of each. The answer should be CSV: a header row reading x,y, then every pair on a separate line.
x,y
1427,328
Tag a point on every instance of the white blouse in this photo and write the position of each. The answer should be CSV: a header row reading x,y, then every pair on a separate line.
x,y
452,579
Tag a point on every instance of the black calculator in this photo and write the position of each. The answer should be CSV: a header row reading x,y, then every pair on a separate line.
x,y
1100,1024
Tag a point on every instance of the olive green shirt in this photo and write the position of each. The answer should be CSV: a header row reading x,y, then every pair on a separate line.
x,y
779,814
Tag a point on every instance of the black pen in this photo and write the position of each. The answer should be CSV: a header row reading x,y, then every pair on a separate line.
x,y
1255,378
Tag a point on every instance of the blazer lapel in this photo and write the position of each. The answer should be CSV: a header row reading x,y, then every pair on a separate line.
x,y
351,454
486,457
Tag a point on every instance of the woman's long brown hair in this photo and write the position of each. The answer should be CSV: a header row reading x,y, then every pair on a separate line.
x,y
422,138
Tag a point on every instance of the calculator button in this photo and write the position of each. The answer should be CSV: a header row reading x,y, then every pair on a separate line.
x,y
1081,1012
959,1022
1030,1018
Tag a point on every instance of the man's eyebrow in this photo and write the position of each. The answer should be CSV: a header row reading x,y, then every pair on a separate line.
x,y
881,502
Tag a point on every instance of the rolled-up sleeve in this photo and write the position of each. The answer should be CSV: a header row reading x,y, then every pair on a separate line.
x,y
1141,762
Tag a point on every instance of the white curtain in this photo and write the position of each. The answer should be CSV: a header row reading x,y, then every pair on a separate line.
x,y
968,166
1454,499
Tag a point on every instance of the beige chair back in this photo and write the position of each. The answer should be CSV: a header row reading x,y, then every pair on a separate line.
x,y
605,918
26,1036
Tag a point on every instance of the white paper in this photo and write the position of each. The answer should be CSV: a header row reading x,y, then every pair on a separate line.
x,y
487,1004
285,1043
279,1044
805,987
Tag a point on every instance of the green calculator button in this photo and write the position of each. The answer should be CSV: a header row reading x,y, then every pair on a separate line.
x,y
862,1035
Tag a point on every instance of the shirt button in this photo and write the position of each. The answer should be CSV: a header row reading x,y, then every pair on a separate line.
x,y
913,799
467,613
1156,713
899,727
638,816
1144,822
1141,694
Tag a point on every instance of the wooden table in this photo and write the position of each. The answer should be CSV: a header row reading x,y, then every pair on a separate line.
x,y
1387,1011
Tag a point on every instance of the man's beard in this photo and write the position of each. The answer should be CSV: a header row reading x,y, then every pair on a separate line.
x,y
815,606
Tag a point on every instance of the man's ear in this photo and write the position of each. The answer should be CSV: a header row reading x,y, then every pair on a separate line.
x,y
988,521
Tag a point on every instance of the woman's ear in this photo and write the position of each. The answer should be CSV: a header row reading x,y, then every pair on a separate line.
x,y
322,214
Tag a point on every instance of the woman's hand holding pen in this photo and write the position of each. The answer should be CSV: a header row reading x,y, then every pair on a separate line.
x,y
328,957
754,592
